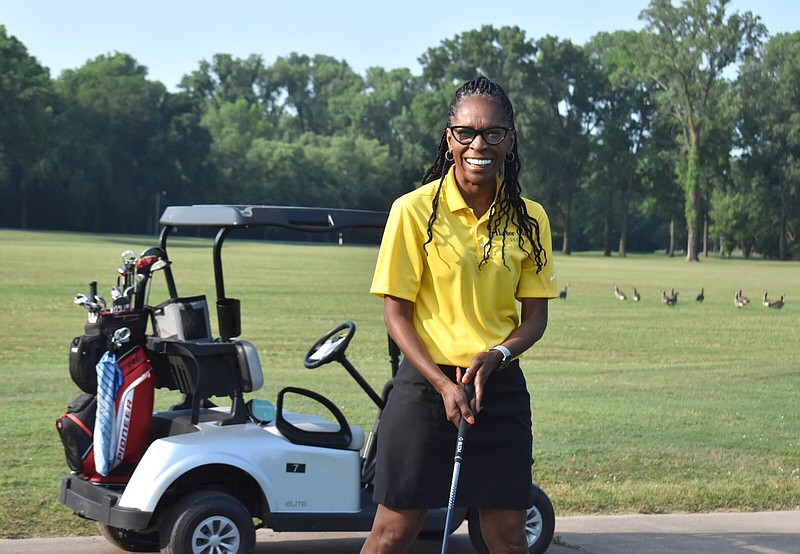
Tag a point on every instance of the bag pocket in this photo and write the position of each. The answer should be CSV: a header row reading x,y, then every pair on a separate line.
x,y
76,429
84,353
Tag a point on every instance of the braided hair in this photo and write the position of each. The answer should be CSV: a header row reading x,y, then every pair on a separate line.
x,y
509,208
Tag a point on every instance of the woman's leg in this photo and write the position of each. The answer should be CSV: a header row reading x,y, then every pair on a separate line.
x,y
504,530
393,531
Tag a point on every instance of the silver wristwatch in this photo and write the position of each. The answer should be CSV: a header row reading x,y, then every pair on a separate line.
x,y
507,355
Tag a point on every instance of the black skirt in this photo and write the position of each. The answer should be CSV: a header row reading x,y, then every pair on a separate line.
x,y
416,445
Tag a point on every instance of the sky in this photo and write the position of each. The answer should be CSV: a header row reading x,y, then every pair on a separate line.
x,y
172,37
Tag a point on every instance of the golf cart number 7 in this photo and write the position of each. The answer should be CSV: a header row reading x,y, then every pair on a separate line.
x,y
295,468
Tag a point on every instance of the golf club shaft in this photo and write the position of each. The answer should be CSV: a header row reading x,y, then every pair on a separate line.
x,y
469,390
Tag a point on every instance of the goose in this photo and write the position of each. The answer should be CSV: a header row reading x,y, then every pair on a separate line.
x,y
563,294
673,299
765,301
701,296
743,298
636,295
619,294
777,304
739,301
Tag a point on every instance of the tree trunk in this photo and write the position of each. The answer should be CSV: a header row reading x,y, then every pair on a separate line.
x,y
692,186
782,255
705,236
608,224
565,247
623,226
671,248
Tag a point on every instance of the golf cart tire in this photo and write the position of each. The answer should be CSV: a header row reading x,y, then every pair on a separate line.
x,y
208,515
130,540
539,525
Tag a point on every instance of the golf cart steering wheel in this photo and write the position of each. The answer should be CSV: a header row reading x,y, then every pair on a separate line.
x,y
331,346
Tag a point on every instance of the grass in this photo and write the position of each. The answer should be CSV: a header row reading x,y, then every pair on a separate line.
x,y
638,407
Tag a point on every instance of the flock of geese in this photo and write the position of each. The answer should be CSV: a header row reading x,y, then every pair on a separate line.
x,y
671,298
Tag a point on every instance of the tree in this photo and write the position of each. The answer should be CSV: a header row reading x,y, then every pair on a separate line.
x,y
562,119
308,87
770,133
26,98
686,51
625,112
123,139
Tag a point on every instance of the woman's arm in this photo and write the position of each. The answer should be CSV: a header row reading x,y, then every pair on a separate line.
x,y
529,331
398,314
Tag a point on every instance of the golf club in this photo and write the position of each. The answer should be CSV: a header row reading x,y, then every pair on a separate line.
x,y
121,336
469,390
143,267
157,266
128,267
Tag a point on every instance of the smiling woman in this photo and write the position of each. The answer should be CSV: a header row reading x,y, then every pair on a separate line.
x,y
458,258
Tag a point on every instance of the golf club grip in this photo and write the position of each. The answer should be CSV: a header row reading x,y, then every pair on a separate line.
x,y
469,390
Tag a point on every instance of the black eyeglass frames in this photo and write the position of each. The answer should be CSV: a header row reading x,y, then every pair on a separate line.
x,y
491,135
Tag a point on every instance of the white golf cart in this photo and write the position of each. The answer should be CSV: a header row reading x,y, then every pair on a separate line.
x,y
212,474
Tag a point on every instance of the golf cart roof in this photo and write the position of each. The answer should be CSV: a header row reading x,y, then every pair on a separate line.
x,y
289,217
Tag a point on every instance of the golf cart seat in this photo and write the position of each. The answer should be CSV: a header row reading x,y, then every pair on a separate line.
x,y
201,370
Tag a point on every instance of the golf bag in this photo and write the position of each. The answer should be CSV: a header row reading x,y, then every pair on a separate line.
x,y
87,349
129,420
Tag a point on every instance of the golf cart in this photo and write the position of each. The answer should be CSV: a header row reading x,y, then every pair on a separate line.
x,y
205,472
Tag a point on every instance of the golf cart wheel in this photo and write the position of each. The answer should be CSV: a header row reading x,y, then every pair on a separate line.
x,y
539,525
130,540
209,522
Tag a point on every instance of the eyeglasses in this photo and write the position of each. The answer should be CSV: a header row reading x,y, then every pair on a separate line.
x,y
491,135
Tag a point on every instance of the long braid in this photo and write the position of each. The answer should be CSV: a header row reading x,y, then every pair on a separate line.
x,y
509,209
440,167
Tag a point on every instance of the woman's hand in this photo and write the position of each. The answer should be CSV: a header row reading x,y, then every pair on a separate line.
x,y
455,401
483,364
398,314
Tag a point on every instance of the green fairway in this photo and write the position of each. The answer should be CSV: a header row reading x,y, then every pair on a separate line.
x,y
638,407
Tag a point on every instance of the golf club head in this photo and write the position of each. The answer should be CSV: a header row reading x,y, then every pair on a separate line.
x,y
160,264
129,258
153,251
121,336
145,262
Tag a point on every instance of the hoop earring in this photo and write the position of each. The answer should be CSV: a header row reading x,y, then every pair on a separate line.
x,y
510,157
450,154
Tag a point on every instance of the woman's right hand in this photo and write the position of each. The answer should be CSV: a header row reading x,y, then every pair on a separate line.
x,y
455,401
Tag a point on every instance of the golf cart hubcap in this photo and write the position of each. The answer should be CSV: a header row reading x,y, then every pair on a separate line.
x,y
533,526
216,535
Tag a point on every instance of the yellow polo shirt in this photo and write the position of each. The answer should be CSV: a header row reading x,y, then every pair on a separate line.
x,y
459,308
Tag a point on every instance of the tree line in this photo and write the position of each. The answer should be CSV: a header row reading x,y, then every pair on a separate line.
x,y
683,136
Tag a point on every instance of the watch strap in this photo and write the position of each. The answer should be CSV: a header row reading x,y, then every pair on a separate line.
x,y
507,355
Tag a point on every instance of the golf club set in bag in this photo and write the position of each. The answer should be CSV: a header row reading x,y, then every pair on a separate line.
x,y
108,425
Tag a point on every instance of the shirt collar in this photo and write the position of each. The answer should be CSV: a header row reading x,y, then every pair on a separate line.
x,y
452,196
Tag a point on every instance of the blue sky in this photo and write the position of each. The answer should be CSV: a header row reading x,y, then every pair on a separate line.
x,y
171,37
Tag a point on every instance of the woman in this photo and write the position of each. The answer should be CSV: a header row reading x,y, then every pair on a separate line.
x,y
457,256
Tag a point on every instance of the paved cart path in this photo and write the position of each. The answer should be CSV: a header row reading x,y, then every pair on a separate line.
x,y
723,533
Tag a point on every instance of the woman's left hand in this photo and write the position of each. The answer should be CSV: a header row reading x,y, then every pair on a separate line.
x,y
479,370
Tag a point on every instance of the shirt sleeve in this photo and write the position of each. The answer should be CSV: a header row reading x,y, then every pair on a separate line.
x,y
398,270
542,284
